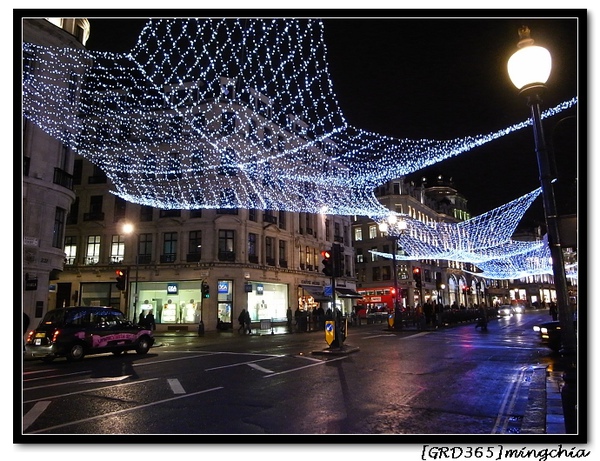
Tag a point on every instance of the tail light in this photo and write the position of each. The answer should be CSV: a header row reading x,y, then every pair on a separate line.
x,y
29,336
55,335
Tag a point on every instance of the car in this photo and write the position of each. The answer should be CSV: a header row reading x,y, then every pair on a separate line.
x,y
518,309
506,310
74,332
549,334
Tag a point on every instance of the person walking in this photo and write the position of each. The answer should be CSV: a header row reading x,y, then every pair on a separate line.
x,y
242,321
248,322
149,320
289,318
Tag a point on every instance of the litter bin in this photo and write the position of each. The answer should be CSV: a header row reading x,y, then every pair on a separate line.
x,y
201,328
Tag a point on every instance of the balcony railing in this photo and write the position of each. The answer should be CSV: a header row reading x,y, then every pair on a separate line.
x,y
144,259
269,218
226,256
62,178
94,216
168,258
193,257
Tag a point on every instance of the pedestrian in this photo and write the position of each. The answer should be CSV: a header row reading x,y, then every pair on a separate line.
x,y
248,322
553,311
142,320
289,318
149,320
242,321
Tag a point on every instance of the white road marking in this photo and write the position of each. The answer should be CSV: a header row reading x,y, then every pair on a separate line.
x,y
307,366
259,368
508,404
34,413
83,381
176,386
243,363
112,386
125,410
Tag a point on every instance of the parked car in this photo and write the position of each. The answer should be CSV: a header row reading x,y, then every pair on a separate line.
x,y
506,310
549,334
74,332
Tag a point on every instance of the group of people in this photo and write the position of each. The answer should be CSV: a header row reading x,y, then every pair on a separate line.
x,y
245,322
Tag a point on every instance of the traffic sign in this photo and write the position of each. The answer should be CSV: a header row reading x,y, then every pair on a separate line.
x,y
329,331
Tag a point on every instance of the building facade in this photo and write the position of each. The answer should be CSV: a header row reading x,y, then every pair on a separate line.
x,y
47,187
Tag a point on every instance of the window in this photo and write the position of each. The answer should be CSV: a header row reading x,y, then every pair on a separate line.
x,y
92,252
227,123
70,249
73,212
373,255
169,247
120,208
144,250
196,213
145,213
376,274
169,214
252,250
267,138
117,249
282,219
195,242
226,245
357,234
373,231
386,273
270,250
282,253
59,227
77,171
252,214
359,255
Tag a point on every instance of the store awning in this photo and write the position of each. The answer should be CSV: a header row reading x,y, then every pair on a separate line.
x,y
316,292
347,293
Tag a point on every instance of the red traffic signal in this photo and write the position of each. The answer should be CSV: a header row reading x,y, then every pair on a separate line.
x,y
327,263
121,279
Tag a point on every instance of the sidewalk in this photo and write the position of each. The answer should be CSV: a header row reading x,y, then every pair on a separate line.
x,y
543,415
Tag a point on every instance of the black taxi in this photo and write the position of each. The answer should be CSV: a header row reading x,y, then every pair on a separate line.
x,y
73,332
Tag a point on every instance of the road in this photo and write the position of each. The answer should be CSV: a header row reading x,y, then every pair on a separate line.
x,y
455,380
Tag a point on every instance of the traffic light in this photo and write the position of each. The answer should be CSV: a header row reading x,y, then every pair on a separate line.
x,y
205,290
338,262
417,276
121,279
327,263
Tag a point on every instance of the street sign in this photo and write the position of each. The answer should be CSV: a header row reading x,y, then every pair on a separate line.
x,y
329,331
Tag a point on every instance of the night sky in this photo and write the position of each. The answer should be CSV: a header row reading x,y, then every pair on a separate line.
x,y
444,77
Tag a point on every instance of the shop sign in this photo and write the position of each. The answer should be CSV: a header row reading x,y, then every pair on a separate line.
x,y
327,290
260,289
172,288
247,288
223,287
31,284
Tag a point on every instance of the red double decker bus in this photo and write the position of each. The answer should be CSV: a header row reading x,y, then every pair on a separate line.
x,y
375,300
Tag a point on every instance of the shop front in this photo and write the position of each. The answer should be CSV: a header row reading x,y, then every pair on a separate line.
x,y
169,302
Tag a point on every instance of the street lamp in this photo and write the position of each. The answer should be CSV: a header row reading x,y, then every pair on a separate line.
x,y
529,69
384,227
128,229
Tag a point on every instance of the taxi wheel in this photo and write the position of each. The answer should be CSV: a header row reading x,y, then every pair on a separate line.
x,y
143,346
75,352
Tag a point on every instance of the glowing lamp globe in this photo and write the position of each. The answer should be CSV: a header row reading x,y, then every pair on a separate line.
x,y
530,65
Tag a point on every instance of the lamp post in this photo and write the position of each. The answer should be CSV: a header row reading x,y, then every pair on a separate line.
x,y
128,229
529,69
384,227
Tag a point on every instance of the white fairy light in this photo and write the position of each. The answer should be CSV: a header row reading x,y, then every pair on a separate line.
x,y
239,113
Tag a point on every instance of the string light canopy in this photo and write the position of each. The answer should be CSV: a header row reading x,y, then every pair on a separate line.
x,y
233,113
